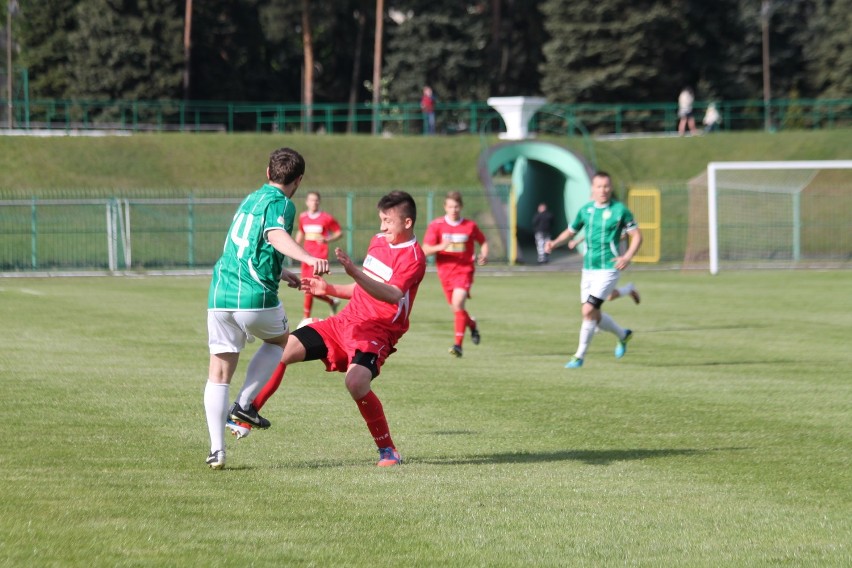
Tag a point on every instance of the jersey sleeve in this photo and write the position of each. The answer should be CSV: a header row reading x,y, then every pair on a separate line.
x,y
409,270
579,221
433,234
333,226
629,221
477,234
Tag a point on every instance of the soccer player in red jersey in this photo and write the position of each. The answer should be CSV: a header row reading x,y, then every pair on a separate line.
x,y
317,228
451,239
359,339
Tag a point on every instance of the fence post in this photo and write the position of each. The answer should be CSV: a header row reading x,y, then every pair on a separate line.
x,y
33,235
112,261
350,222
191,223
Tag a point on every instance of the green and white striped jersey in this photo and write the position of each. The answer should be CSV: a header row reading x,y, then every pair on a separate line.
x,y
604,226
247,274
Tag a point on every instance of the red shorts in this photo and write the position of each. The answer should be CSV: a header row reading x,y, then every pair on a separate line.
x,y
343,337
455,278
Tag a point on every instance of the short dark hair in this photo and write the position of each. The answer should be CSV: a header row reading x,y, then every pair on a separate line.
x,y
402,200
285,166
601,173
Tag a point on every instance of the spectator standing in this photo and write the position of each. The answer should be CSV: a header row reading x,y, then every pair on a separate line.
x,y
427,105
541,227
712,119
685,113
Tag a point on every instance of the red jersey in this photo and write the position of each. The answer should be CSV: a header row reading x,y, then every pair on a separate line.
x,y
317,229
403,266
463,234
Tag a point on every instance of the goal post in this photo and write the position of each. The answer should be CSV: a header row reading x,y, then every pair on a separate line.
x,y
759,206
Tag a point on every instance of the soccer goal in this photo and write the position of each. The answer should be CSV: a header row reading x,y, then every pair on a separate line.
x,y
775,214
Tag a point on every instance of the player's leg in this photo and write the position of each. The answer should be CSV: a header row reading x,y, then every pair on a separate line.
x,y
608,281
627,290
359,377
225,339
294,352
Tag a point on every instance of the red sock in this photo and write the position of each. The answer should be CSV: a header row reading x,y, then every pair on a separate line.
x,y
374,415
309,303
461,325
270,387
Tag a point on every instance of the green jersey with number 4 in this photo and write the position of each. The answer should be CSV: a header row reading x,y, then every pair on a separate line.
x,y
247,274
604,226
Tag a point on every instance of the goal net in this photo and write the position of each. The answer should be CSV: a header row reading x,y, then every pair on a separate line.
x,y
755,214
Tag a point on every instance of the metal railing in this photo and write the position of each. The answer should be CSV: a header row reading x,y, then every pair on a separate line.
x,y
407,119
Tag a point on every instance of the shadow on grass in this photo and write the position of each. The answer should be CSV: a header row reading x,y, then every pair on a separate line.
x,y
590,457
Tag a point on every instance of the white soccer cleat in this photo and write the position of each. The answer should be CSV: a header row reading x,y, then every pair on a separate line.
x,y
239,430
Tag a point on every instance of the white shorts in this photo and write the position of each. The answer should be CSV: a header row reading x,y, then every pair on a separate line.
x,y
227,329
598,283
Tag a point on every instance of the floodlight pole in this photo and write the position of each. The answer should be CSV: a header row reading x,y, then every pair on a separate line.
x,y
10,7
765,10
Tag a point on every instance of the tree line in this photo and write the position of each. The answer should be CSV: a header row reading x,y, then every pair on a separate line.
x,y
570,51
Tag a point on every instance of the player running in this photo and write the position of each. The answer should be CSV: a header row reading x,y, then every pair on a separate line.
x,y
317,228
451,239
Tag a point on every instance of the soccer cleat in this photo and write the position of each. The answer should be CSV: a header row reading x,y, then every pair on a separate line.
x,y
389,457
621,346
335,305
456,351
635,295
248,415
574,363
474,335
216,459
239,429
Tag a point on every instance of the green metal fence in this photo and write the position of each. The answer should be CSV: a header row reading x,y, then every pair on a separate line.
x,y
406,118
120,234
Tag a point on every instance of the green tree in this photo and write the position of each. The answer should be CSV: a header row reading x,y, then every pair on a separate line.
x,y
125,49
614,50
829,53
438,43
43,27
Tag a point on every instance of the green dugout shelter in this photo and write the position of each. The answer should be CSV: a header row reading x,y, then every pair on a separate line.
x,y
541,172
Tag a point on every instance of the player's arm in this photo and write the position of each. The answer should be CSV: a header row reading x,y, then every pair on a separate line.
x,y
482,259
292,279
563,236
285,244
379,290
635,242
319,287
333,235
438,247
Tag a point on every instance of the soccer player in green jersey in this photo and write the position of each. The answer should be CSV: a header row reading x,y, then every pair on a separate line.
x,y
604,221
243,296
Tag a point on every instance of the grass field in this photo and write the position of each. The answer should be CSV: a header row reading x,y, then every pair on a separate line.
x,y
723,438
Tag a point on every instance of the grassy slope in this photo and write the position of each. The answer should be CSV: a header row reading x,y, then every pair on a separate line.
x,y
232,163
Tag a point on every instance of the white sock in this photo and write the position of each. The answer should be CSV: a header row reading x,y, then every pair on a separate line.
x,y
608,324
587,332
626,289
260,368
216,408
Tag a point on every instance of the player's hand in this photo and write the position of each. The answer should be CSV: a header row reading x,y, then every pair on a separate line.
x,y
621,262
320,266
344,259
548,246
291,279
314,286
482,260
